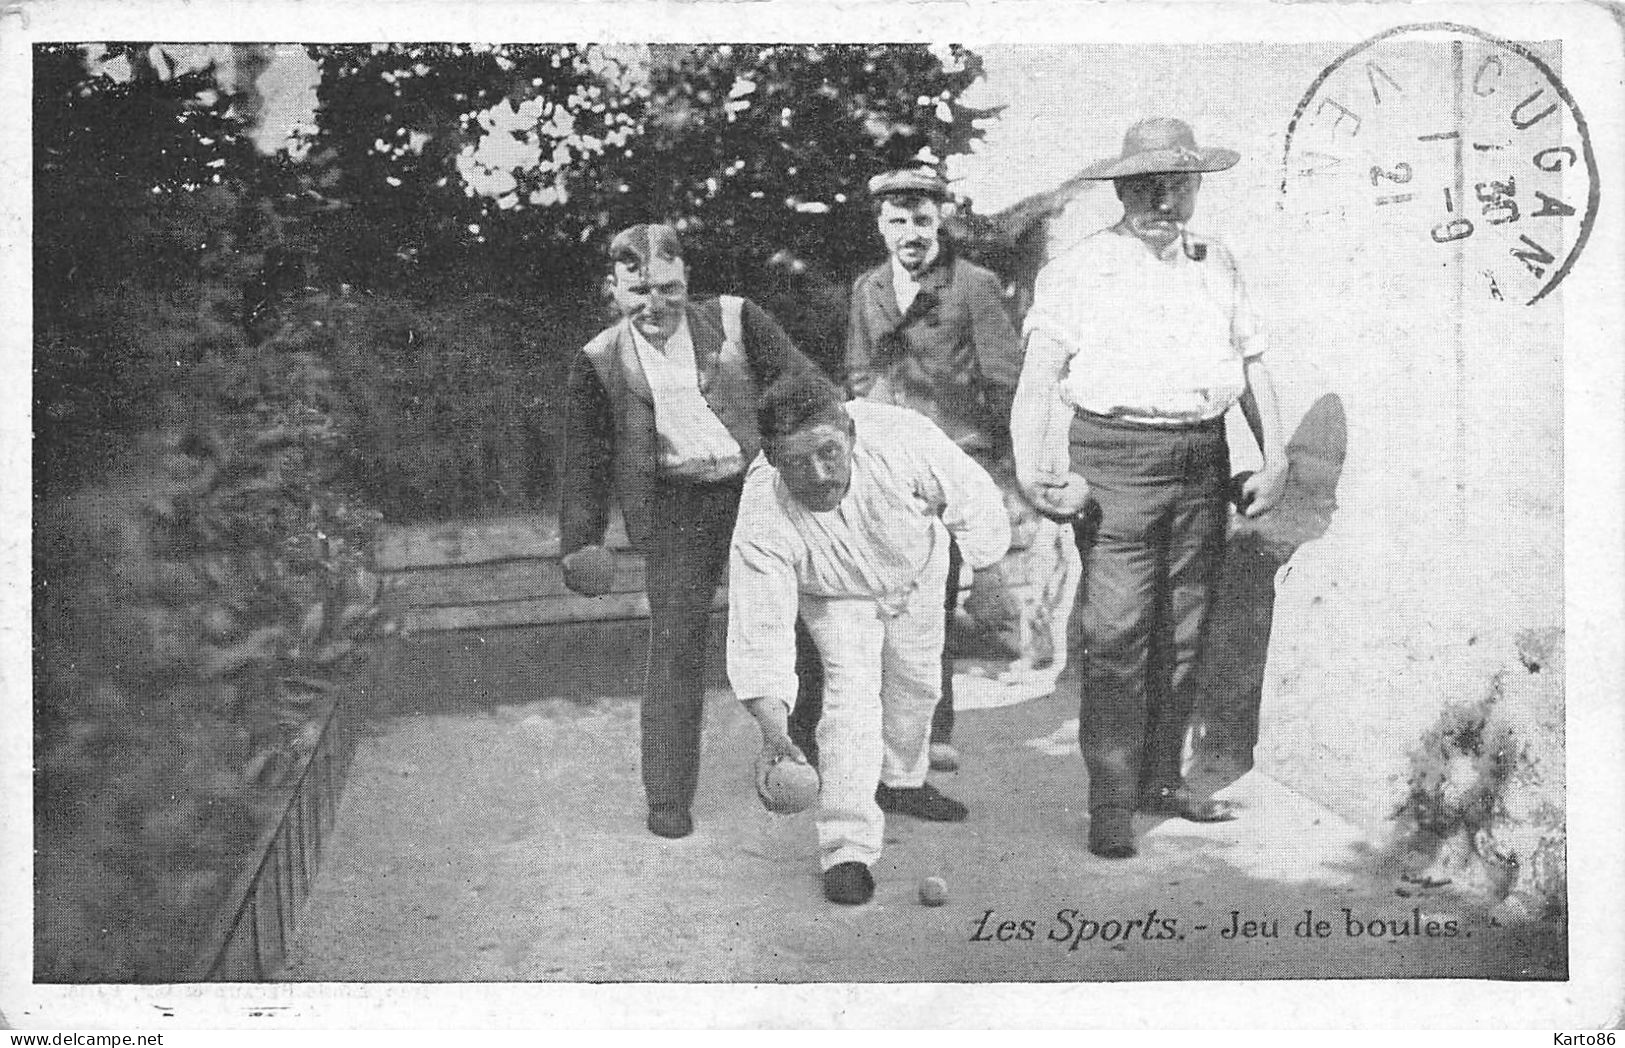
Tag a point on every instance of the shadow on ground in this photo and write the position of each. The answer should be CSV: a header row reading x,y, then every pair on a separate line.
x,y
491,833
492,830
1225,722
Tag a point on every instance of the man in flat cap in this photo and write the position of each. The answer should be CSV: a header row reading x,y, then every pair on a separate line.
x,y
662,417
1139,340
929,331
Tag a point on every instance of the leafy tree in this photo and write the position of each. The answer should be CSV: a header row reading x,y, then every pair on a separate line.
x,y
117,162
480,183
756,149
458,161
200,570
507,166
136,181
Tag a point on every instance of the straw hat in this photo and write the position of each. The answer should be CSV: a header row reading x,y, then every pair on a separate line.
x,y
1157,146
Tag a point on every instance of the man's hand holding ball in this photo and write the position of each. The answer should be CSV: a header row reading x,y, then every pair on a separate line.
x,y
1059,496
785,782
590,571
1261,491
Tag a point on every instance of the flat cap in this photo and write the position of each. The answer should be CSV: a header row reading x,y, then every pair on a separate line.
x,y
920,180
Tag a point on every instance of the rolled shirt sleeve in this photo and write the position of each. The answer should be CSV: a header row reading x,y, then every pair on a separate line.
x,y
1243,322
1052,293
763,596
909,481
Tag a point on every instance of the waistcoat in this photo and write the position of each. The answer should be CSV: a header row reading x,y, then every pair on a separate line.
x,y
725,381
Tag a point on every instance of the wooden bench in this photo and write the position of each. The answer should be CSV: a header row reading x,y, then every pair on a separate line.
x,y
502,572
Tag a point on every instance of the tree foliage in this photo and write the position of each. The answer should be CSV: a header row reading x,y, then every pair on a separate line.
x,y
226,345
506,167
472,189
427,145
200,565
761,148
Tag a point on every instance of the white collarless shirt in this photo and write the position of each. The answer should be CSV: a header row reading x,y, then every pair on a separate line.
x,y
1157,339
911,487
694,444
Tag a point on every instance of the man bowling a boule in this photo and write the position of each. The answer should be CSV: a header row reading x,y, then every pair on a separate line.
x,y
845,521
1139,339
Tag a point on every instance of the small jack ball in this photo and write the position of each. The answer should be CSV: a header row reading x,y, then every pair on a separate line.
x,y
933,891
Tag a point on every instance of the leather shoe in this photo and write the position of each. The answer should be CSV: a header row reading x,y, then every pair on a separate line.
x,y
669,822
944,757
849,883
1111,833
1176,802
922,802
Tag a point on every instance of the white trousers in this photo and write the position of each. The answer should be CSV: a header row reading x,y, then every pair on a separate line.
x,y
882,681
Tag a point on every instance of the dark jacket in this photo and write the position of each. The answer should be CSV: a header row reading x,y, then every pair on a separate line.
x,y
955,357
610,445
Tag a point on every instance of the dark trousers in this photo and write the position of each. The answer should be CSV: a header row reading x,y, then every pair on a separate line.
x,y
809,705
942,721
1152,541
686,560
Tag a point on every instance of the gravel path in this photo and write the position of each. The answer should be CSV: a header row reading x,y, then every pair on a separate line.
x,y
492,839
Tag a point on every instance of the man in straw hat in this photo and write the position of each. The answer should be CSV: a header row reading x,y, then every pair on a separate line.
x,y
1139,340
929,331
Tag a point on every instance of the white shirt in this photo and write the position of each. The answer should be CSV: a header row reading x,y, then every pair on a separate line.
x,y
911,485
693,441
1155,339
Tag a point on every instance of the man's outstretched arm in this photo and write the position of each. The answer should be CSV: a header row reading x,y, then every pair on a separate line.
x,y
1262,410
1039,424
763,596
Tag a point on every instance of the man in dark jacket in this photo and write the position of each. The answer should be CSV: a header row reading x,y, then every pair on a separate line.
x,y
662,415
929,331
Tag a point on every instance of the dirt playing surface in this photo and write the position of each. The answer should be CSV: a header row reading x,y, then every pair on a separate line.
x,y
493,830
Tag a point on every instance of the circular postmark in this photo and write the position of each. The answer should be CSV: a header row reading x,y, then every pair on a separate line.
x,y
1456,142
